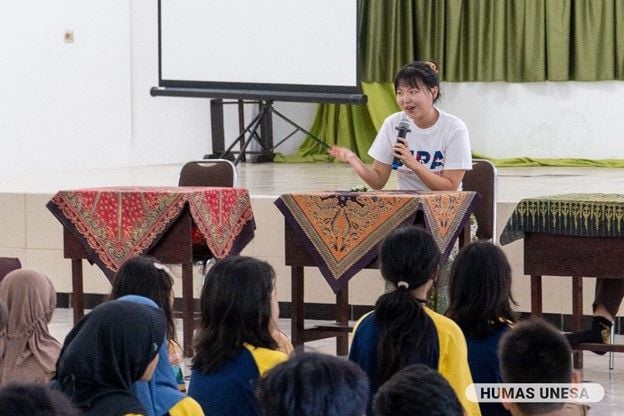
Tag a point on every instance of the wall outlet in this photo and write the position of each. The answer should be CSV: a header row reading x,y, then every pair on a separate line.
x,y
68,36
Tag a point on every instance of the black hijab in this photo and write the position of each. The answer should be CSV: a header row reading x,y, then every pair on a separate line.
x,y
106,352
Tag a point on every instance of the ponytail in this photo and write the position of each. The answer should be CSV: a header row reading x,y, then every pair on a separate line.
x,y
409,258
408,335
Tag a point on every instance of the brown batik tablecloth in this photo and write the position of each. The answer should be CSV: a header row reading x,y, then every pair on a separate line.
x,y
342,230
117,223
581,215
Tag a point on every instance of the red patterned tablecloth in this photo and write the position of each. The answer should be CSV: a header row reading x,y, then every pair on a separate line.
x,y
117,223
341,230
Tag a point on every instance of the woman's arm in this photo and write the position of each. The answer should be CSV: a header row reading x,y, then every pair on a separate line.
x,y
375,176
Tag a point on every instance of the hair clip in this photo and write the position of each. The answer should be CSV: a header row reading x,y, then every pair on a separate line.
x,y
433,65
160,266
402,284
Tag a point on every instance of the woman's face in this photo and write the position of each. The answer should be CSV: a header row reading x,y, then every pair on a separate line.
x,y
415,100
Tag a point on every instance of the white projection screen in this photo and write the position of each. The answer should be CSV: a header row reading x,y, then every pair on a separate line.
x,y
294,50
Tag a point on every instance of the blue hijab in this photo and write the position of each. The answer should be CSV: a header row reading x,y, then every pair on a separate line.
x,y
161,393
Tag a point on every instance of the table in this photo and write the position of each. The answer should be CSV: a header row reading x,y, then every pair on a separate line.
x,y
107,226
339,232
574,235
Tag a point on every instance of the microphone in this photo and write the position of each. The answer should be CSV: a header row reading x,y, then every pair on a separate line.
x,y
402,128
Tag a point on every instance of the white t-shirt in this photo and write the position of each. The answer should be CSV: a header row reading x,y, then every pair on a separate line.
x,y
445,145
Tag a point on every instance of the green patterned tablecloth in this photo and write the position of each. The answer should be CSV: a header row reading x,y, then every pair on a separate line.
x,y
582,215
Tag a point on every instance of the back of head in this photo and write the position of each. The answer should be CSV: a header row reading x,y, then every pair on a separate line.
x,y
410,255
414,391
480,289
409,259
109,349
146,276
535,352
29,350
35,399
30,298
235,309
314,384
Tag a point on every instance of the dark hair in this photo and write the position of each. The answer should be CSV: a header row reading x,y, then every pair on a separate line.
x,y
235,309
480,290
535,352
314,384
409,258
418,74
35,399
146,276
417,390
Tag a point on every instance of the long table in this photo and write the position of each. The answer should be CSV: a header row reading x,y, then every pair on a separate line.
x,y
107,226
339,232
572,235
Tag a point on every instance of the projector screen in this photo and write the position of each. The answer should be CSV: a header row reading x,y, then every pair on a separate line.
x,y
297,49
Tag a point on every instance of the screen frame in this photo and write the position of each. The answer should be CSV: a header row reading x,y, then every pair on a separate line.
x,y
350,94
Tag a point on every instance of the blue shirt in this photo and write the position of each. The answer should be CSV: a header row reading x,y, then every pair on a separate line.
x,y
229,390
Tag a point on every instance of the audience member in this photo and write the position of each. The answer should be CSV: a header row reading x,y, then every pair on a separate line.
x,y
481,304
417,390
35,399
234,345
147,277
314,384
29,352
110,348
402,330
149,282
535,352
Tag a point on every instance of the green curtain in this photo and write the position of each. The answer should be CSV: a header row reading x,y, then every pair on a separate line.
x,y
472,40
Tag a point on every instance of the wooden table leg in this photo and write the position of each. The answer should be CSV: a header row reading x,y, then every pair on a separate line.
x,y
536,296
342,318
77,290
188,320
577,315
296,305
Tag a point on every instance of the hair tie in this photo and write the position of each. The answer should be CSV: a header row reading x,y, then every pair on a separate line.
x,y
402,284
160,266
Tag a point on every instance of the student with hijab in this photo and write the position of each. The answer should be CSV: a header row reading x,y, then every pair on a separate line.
x,y
112,347
28,352
160,395
143,279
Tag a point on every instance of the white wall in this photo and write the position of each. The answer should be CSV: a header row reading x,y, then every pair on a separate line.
x,y
64,104
67,106
542,119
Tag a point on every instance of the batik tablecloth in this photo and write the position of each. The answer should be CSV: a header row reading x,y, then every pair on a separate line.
x,y
342,230
117,223
581,215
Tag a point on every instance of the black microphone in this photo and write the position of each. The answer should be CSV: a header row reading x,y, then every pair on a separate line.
x,y
402,128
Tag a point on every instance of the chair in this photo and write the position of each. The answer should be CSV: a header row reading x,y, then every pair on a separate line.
x,y
208,172
483,180
7,265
